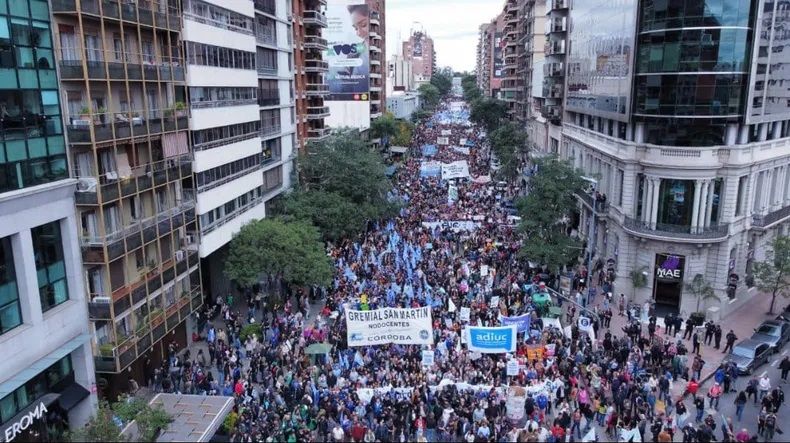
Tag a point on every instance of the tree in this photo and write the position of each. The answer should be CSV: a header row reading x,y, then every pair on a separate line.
x,y
404,134
344,164
443,81
509,143
701,289
549,202
101,427
429,96
419,115
384,127
488,113
291,251
773,274
334,215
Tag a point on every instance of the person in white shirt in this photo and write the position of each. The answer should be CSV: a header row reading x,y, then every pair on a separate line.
x,y
337,433
764,386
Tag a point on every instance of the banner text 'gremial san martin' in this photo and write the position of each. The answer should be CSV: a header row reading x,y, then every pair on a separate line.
x,y
406,326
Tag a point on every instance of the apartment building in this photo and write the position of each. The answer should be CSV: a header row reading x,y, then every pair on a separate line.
x,y
122,81
681,116
377,45
547,130
511,84
418,51
45,337
310,70
491,57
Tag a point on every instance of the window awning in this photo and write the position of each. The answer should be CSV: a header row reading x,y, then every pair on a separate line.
x,y
72,395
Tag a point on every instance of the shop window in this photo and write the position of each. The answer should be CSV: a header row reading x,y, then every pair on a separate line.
x,y
50,265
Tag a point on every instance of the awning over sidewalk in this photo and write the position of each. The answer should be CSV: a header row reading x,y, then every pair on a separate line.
x,y
195,417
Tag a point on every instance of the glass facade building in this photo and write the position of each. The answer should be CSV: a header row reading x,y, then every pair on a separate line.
x,y
32,148
692,69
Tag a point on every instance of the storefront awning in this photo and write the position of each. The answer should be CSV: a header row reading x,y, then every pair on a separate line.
x,y
46,399
72,395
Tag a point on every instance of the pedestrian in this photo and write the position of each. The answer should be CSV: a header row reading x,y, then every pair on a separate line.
x,y
740,403
770,426
709,328
695,343
714,393
764,386
731,338
717,336
784,366
700,404
689,328
751,389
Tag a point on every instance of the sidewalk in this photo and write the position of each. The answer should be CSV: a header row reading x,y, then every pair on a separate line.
x,y
742,321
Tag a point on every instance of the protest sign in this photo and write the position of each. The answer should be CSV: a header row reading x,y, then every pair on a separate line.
x,y
465,314
512,367
491,340
454,225
408,326
521,322
456,169
461,150
427,358
535,352
430,169
446,132
514,404
442,141
483,270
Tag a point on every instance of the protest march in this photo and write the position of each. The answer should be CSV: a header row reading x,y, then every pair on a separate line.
x,y
434,329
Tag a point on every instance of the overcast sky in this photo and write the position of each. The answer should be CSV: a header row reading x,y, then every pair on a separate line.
x,y
453,25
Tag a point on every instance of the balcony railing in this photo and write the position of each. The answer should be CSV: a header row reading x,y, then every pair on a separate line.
x,y
601,206
123,66
316,89
267,6
713,232
313,65
317,112
135,12
559,4
315,18
222,103
267,70
265,36
270,130
113,125
313,42
763,221
318,133
268,100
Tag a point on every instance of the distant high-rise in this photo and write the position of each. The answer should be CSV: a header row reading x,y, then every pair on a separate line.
x,y
418,51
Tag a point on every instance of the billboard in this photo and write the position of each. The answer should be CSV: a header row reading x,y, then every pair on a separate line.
x,y
347,53
417,49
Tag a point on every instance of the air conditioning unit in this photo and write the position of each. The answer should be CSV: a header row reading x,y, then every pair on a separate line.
x,y
179,255
101,300
86,184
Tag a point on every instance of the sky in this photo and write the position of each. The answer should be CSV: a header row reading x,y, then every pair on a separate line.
x,y
453,25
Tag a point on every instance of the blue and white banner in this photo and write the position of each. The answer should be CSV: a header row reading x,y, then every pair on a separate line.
x,y
521,322
430,169
491,340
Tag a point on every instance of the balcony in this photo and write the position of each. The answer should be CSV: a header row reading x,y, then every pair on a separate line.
x,y
313,42
680,233
317,112
264,36
601,206
126,11
268,131
555,47
314,65
267,6
316,134
314,18
268,99
374,18
557,25
115,357
267,71
559,4
374,48
316,89
111,125
99,310
763,222
554,69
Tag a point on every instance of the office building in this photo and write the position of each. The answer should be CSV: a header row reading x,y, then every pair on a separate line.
x,y
400,74
402,104
680,114
123,83
47,372
310,70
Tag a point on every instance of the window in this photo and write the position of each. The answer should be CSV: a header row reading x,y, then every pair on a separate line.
x,y
223,135
10,313
53,379
739,203
218,17
222,174
50,265
217,56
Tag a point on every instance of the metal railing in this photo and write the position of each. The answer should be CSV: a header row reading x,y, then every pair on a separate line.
x,y
270,130
267,70
762,221
138,225
222,103
110,124
267,6
314,18
313,65
265,37
312,41
717,231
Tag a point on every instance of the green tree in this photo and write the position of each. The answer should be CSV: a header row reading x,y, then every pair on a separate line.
x,y
772,275
429,96
404,134
509,143
334,215
384,127
345,164
419,115
443,81
700,289
549,202
488,113
292,251
100,428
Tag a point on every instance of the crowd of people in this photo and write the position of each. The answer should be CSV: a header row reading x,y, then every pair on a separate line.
x,y
295,378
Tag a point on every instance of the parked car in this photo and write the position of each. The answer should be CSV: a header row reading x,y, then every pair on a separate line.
x,y
749,355
774,332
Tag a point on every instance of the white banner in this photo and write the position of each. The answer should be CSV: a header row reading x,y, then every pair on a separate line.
x,y
405,326
461,150
455,225
512,367
446,132
366,394
456,169
442,141
465,313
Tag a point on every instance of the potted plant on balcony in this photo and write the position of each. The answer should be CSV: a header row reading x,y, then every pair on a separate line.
x,y
151,267
106,349
85,113
180,108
